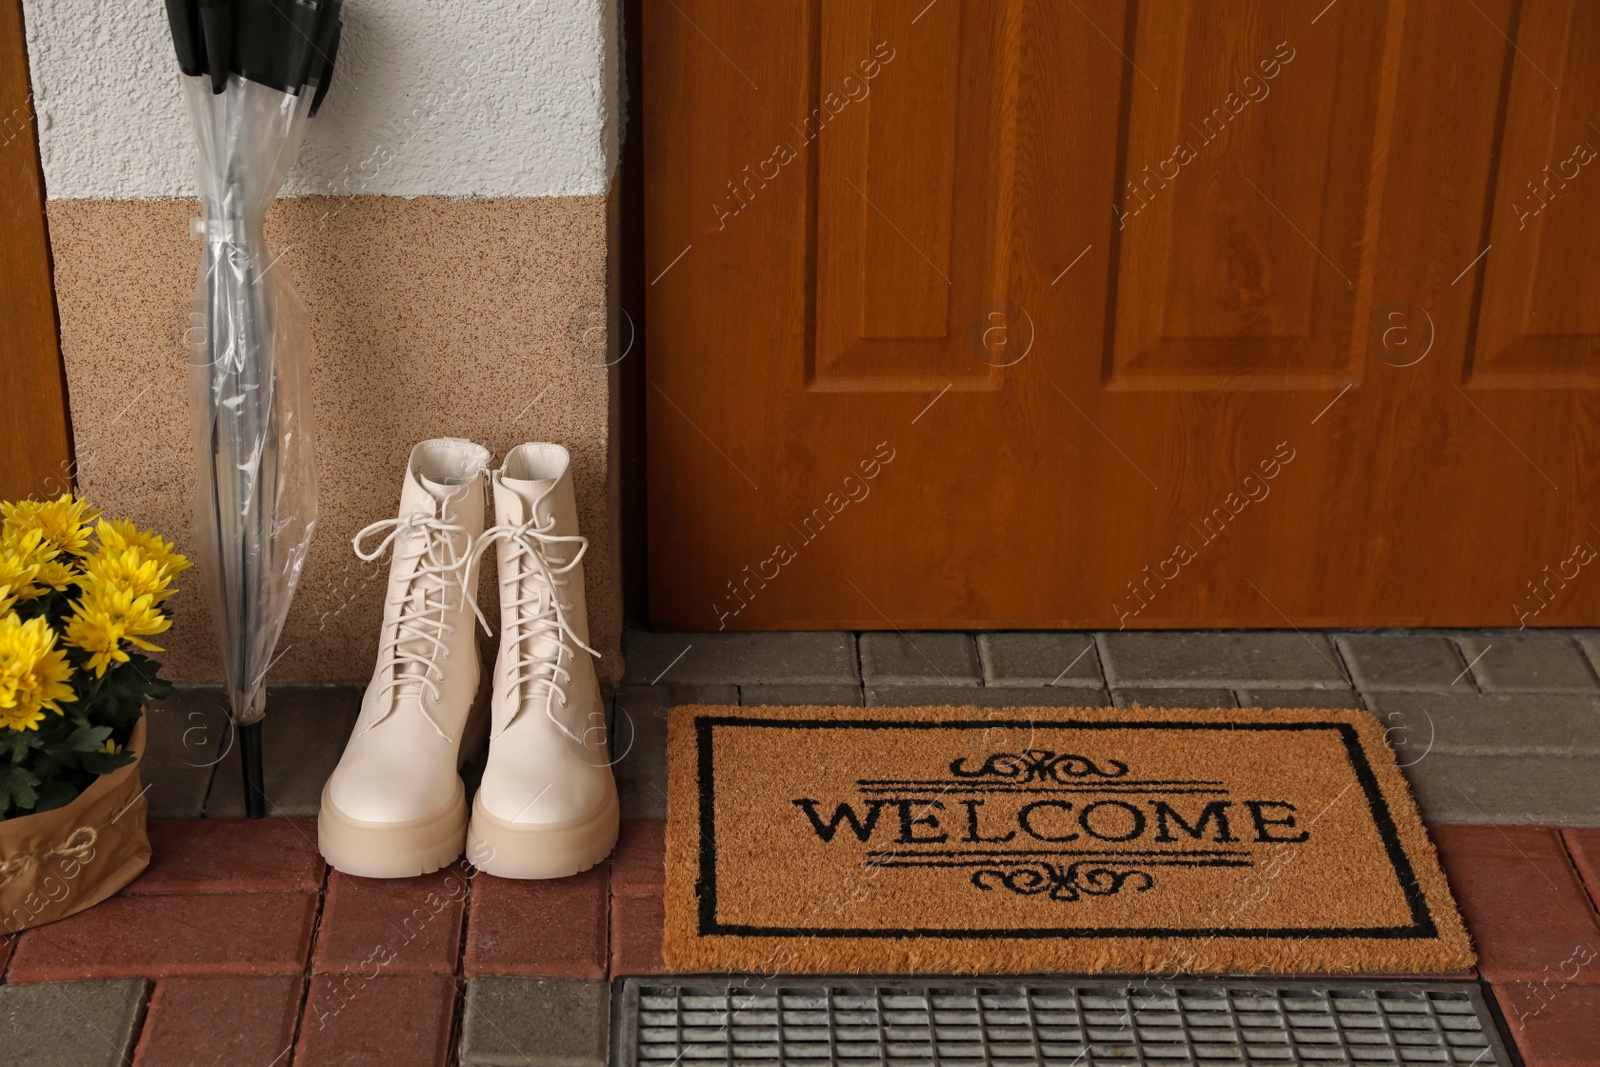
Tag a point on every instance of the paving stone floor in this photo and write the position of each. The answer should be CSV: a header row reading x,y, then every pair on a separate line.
x,y
238,946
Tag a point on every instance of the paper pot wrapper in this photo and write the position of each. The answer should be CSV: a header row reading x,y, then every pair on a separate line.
x,y
57,863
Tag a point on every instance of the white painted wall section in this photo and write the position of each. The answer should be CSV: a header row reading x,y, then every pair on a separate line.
x,y
483,98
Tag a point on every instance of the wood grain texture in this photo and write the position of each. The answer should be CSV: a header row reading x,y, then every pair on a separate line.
x,y
1541,306
35,451
979,349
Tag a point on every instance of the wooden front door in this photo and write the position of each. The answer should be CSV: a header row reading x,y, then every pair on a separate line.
x,y
34,442
1062,313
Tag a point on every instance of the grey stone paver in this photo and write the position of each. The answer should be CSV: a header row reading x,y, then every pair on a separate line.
x,y
1235,659
789,696
1531,742
1589,641
1526,790
1299,698
185,735
639,741
657,700
302,738
536,1022
1053,657
917,696
808,658
1404,662
1490,724
71,1024
1528,663
890,658
1173,698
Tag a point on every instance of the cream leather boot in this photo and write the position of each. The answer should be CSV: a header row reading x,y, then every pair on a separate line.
x,y
547,807
395,806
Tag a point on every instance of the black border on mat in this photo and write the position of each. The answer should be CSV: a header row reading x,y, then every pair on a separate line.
x,y
1422,925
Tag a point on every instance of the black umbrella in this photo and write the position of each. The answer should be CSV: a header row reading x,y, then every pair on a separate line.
x,y
254,72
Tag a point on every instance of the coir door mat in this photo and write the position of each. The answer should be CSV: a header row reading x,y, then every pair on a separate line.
x,y
1027,840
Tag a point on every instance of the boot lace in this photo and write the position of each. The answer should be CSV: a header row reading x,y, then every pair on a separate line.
x,y
541,614
422,607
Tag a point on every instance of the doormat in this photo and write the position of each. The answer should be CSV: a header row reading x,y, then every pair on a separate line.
x,y
947,840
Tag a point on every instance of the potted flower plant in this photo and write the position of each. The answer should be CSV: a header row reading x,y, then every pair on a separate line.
x,y
80,598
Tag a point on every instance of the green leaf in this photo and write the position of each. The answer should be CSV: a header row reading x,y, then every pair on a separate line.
x,y
18,742
88,738
104,762
57,794
18,783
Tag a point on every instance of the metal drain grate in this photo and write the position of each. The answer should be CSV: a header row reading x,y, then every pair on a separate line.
x,y
1085,1024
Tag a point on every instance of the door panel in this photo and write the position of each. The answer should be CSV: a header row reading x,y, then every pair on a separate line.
x,y
1215,276
1541,300
897,250
34,443
955,358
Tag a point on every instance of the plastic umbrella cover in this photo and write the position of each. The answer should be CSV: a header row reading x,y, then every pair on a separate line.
x,y
247,65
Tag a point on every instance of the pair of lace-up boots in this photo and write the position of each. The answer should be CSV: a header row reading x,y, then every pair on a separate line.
x,y
547,806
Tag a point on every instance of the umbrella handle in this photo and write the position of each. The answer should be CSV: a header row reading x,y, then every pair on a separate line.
x,y
216,24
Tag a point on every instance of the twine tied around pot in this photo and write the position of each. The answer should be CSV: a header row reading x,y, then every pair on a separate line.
x,y
78,846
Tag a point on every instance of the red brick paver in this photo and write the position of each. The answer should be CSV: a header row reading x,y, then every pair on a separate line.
x,y
201,1022
553,929
398,925
223,922
160,935
1584,847
636,924
397,1020
640,859
230,855
1555,1025
1523,903
638,909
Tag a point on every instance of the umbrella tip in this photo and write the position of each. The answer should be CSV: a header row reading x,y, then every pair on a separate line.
x,y
253,769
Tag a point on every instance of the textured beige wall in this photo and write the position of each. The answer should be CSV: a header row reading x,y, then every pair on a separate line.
x,y
432,317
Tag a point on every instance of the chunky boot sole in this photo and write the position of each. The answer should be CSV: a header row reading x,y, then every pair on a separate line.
x,y
548,850
392,849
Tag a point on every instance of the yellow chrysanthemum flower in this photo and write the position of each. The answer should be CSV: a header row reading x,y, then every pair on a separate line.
x,y
29,543
119,535
18,569
28,565
55,574
33,673
127,571
103,618
64,522
110,748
